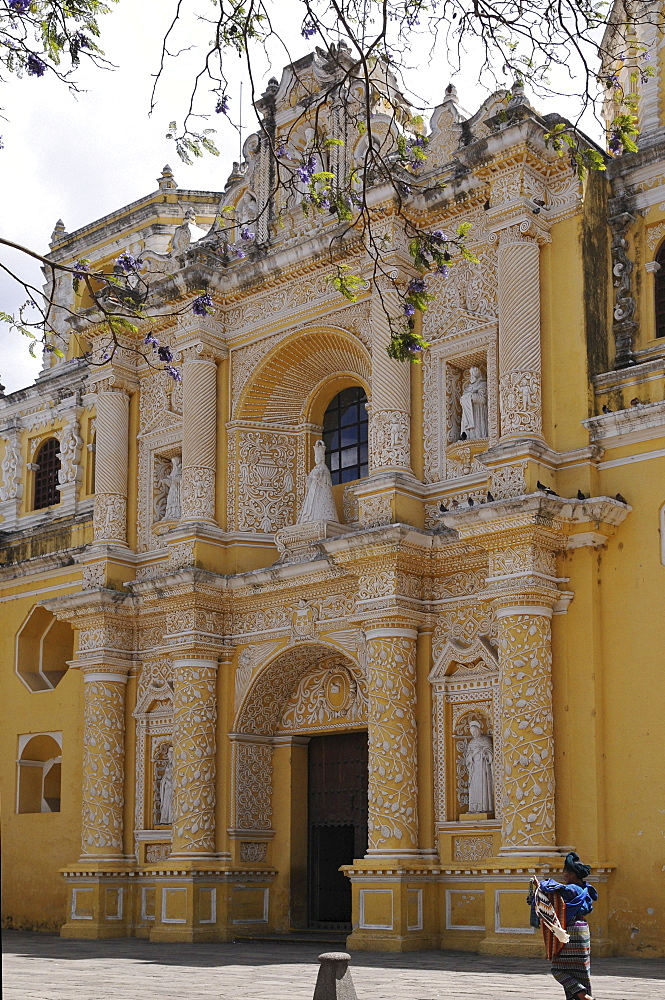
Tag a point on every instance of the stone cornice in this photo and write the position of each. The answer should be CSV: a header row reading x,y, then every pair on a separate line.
x,y
639,423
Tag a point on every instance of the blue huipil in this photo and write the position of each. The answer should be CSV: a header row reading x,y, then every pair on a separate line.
x,y
579,898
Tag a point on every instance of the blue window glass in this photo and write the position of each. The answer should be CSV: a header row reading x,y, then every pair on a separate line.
x,y
345,435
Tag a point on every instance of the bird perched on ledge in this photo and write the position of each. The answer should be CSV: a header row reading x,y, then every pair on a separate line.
x,y
545,489
606,409
581,496
620,498
443,508
490,498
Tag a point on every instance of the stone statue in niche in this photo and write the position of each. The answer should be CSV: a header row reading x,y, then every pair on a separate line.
x,y
473,403
479,759
319,503
173,510
166,791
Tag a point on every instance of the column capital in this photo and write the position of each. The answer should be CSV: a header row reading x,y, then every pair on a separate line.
x,y
120,381
519,226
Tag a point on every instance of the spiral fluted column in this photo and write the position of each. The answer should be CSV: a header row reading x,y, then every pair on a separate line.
x,y
111,461
194,754
103,764
519,335
390,413
199,447
392,742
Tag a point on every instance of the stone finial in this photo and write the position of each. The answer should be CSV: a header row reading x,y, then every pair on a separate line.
x,y
59,232
166,180
517,94
451,94
334,980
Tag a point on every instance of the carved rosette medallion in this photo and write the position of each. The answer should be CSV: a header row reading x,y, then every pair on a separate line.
x,y
393,816
103,767
194,748
525,656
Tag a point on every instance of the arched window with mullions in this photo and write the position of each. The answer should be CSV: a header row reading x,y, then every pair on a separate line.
x,y
345,435
660,291
47,461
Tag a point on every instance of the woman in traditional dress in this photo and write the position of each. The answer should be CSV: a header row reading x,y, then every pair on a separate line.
x,y
561,908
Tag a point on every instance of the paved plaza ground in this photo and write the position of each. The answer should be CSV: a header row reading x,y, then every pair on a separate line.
x,y
44,967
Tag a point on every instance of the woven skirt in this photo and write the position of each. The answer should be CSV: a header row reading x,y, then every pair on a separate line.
x,y
572,966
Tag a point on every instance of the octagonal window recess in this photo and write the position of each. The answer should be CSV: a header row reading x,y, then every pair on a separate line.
x,y
39,777
44,647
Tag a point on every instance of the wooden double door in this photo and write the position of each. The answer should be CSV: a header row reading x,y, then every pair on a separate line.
x,y
337,824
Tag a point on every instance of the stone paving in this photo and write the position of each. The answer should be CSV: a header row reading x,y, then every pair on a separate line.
x,y
45,967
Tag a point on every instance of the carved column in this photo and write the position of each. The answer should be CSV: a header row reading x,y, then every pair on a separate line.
x,y
390,411
624,325
392,737
199,446
194,752
103,763
525,662
519,333
71,445
111,453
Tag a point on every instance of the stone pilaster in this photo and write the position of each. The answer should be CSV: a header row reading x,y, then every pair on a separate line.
x,y
520,367
393,782
194,753
112,447
199,447
390,411
103,763
11,490
71,446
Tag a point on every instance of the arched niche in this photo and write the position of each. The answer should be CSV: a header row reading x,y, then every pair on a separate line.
x,y
44,648
465,685
304,689
39,773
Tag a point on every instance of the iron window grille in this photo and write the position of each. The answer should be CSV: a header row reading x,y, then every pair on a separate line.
x,y
345,431
46,476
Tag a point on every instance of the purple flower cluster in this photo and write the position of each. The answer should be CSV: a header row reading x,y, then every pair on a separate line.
x,y
175,373
34,65
164,353
20,6
282,149
81,40
246,233
308,29
418,286
443,270
151,341
202,304
222,106
128,263
615,145
307,169
409,309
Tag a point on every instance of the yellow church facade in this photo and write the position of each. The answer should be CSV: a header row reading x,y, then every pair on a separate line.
x,y
223,719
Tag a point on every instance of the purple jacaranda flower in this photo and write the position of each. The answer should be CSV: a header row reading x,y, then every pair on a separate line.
x,y
81,40
443,270
409,309
202,304
128,263
19,6
151,341
615,145
175,373
282,149
246,233
239,253
222,106
165,353
308,29
439,235
417,285
34,65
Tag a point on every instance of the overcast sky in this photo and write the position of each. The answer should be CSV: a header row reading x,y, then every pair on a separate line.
x,y
79,158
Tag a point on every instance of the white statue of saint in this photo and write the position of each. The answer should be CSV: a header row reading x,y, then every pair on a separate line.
x,y
319,503
166,791
474,406
173,510
478,757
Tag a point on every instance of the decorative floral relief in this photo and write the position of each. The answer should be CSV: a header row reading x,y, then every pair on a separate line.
x,y
472,848
71,444
330,697
197,493
248,660
375,510
508,481
194,758
253,786
389,435
521,408
266,481
110,517
253,852
103,767
156,853
527,734
393,788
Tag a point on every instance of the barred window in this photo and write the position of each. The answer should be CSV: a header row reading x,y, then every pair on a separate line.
x,y
345,435
46,476
660,292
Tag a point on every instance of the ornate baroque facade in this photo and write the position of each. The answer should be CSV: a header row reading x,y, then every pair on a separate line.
x,y
174,639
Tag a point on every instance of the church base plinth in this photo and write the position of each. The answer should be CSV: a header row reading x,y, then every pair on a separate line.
x,y
394,907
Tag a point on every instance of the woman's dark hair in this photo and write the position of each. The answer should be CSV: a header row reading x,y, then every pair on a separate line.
x,y
573,864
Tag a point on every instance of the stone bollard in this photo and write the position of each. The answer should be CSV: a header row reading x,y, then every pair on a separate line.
x,y
334,979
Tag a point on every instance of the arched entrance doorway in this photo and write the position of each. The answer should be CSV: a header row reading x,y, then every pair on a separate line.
x,y
300,779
